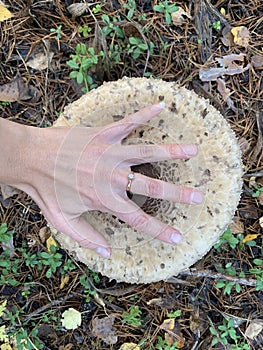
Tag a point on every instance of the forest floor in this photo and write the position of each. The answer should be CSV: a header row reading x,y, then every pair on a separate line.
x,y
218,306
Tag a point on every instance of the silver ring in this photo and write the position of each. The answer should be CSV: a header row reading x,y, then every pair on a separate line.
x,y
130,178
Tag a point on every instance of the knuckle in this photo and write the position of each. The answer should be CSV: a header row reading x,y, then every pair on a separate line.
x,y
139,221
145,151
153,188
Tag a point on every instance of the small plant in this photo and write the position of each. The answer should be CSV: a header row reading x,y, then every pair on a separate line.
x,y
84,30
3,104
167,9
96,9
226,239
133,317
88,290
162,345
257,190
5,234
226,333
81,62
231,271
175,314
136,47
216,25
53,259
57,31
131,7
111,28
258,272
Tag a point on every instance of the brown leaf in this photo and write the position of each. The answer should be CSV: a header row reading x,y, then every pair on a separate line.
x,y
18,90
102,328
236,226
257,61
241,36
78,8
180,16
254,329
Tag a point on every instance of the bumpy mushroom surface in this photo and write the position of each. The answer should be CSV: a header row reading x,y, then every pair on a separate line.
x,y
216,171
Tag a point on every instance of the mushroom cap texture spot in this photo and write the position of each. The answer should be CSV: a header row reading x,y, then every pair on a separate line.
x,y
216,171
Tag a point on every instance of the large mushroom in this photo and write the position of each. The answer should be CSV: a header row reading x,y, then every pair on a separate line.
x,y
216,171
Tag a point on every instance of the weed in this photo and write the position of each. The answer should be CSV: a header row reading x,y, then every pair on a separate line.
x,y
111,28
96,9
166,9
84,31
257,190
3,104
258,272
231,271
81,62
131,7
234,241
162,345
57,31
216,25
133,317
226,333
53,259
136,47
175,314
88,290
5,234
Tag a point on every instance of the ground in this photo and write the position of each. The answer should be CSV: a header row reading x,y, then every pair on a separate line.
x,y
219,304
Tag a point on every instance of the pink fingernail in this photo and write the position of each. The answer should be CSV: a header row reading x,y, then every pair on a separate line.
x,y
196,197
104,252
190,150
158,106
175,237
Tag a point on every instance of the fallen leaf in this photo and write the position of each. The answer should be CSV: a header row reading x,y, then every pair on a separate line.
x,y
2,307
18,90
78,8
40,60
254,328
180,16
51,241
129,346
4,13
71,319
257,61
173,334
236,226
103,328
168,324
155,301
250,238
3,335
241,36
44,233
67,347
223,11
227,38
225,93
64,281
6,347
261,221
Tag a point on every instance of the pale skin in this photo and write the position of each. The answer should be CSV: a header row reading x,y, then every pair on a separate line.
x,y
70,171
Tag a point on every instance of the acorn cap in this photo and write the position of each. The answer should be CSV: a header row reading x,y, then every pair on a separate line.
x,y
216,171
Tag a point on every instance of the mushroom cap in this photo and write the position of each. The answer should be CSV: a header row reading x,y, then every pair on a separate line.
x,y
216,171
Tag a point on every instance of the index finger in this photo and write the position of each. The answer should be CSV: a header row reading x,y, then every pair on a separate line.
x,y
117,131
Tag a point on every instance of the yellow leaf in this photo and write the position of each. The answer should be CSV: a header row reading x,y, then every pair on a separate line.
x,y
51,241
250,238
129,346
5,347
168,324
3,335
64,281
71,318
223,11
241,36
4,13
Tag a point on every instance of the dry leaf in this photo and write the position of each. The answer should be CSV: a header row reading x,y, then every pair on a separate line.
x,y
71,319
173,333
4,13
250,238
168,324
227,38
18,90
236,226
254,329
155,301
241,36
180,16
129,346
44,233
261,221
78,8
102,328
67,347
51,241
64,281
40,60
257,61
225,93
6,347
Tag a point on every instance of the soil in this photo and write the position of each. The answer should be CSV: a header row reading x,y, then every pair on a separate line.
x,y
191,46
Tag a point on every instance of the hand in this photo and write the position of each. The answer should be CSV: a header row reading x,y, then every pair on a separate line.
x,y
80,169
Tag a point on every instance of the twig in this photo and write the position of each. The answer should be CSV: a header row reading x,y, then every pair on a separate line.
x,y
216,275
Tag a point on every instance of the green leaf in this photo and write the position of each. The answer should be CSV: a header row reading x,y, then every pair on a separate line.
x,y
80,78
159,8
258,262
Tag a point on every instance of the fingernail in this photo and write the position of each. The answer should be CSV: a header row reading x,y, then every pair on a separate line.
x,y
158,106
104,252
175,237
190,150
196,197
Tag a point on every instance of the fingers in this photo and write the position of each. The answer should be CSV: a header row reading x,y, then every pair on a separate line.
x,y
155,188
139,154
86,236
149,225
117,131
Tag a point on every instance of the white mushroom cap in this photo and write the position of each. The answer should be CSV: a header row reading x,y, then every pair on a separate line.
x,y
216,171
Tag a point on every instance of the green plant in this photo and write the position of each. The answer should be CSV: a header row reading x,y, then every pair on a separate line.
x,y
81,62
88,289
3,104
57,31
162,345
257,190
174,314
136,47
258,271
167,9
111,28
131,7
96,9
230,271
84,30
226,333
5,234
216,25
228,239
133,317
53,259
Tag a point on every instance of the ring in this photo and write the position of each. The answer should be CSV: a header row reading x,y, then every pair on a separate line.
x,y
130,178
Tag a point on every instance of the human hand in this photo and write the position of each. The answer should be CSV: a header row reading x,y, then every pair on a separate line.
x,y
80,169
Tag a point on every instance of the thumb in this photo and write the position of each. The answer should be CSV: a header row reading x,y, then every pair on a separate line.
x,y
86,236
